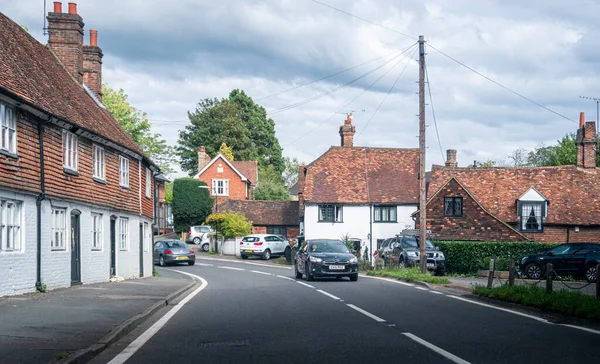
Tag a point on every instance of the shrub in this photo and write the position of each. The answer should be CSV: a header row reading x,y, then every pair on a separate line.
x,y
230,224
467,257
409,275
191,204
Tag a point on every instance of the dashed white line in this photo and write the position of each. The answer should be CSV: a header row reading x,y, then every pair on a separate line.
x,y
304,284
436,292
259,272
366,313
244,262
438,350
422,288
328,294
232,268
205,264
288,278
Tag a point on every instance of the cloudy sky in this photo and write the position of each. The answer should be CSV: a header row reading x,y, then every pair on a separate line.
x,y
168,55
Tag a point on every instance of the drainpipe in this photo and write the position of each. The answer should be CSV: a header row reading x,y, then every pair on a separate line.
x,y
38,205
370,232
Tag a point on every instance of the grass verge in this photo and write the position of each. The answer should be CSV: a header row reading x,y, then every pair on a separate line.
x,y
564,302
408,275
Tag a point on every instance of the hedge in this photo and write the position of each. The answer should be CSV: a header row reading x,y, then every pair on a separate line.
x,y
191,204
465,257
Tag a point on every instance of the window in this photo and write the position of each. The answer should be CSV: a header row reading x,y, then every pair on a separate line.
x,y
99,162
8,122
10,225
453,206
220,187
532,215
123,171
148,183
330,213
562,249
123,233
69,150
96,231
385,214
146,237
277,230
59,229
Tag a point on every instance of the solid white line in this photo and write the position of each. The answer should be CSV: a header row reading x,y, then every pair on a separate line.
x,y
259,272
232,268
368,314
422,288
304,284
288,278
147,335
438,350
390,281
244,262
328,294
581,328
436,292
500,309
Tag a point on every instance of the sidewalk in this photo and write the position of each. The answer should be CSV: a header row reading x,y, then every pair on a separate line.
x,y
62,324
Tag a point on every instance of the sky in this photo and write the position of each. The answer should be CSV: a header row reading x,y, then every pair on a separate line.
x,y
167,56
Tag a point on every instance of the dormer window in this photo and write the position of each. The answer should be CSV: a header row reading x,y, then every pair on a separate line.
x,y
532,211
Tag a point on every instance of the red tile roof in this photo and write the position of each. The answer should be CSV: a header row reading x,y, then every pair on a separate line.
x,y
363,175
573,194
264,213
29,71
248,168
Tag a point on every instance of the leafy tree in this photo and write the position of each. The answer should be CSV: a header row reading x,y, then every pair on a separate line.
x,y
230,224
226,151
519,157
487,164
169,192
137,126
191,204
270,185
290,172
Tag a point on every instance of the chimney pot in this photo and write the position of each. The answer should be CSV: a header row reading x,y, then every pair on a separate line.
x,y
93,37
347,131
581,119
451,158
72,8
57,7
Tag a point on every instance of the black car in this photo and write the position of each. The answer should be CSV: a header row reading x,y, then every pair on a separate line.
x,y
406,249
570,259
325,258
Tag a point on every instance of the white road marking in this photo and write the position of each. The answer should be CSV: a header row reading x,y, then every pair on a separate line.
x,y
205,264
288,278
436,292
366,313
304,284
240,262
422,288
259,272
328,294
391,281
232,268
147,335
581,328
438,350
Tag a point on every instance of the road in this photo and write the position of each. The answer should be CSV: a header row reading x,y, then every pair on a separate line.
x,y
250,313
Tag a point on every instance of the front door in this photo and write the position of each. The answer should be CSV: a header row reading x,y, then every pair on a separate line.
x,y
75,250
141,250
113,246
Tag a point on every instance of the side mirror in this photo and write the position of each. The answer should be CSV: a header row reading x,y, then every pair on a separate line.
x,y
353,251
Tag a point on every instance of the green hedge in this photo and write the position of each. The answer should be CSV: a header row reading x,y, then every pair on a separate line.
x,y
465,257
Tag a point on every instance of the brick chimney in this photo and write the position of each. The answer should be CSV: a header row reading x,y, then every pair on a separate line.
x,y
203,158
586,143
66,38
92,65
347,132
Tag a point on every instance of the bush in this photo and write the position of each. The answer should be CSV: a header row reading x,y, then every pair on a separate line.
x,y
467,257
409,275
191,204
230,224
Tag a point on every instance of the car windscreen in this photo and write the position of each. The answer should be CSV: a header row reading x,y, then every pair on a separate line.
x,y
327,246
413,244
250,239
175,244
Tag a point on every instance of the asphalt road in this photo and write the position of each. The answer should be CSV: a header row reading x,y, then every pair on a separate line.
x,y
249,313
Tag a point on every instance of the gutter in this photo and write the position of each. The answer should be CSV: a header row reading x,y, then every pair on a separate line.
x,y
38,205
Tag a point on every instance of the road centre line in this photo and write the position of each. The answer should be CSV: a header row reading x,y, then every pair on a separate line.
x,y
438,350
232,268
244,262
259,272
205,264
328,294
304,284
366,313
132,348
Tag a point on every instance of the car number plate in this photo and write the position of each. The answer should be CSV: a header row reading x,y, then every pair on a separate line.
x,y
248,251
182,257
430,265
337,267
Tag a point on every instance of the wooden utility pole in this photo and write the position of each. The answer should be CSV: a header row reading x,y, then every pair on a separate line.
x,y
422,193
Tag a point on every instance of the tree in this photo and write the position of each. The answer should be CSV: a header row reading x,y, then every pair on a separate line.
x,y
487,164
169,192
137,126
230,224
519,157
191,204
270,185
226,151
290,172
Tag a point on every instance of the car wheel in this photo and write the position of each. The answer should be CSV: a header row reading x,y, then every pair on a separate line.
x,y
288,254
196,240
309,276
266,254
401,262
206,247
354,277
161,261
244,256
191,263
533,271
298,274
591,275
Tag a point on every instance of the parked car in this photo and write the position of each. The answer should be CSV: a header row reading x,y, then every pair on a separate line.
x,y
386,249
325,258
200,235
570,259
406,249
173,251
262,245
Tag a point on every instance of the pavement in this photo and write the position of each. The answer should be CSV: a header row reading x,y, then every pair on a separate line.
x,y
72,324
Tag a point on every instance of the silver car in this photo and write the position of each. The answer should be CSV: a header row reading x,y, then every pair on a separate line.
x,y
200,235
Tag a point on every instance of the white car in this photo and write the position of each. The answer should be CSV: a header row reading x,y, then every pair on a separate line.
x,y
263,245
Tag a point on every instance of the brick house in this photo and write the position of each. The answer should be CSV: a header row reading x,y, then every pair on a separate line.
x,y
228,180
367,193
268,217
546,204
76,192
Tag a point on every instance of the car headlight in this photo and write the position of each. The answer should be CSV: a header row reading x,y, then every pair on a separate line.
x,y
315,260
412,254
441,256
353,260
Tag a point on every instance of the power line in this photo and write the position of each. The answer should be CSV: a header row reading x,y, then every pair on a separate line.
x,y
433,112
386,96
346,105
306,101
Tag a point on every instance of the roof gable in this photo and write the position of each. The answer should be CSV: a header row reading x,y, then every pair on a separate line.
x,y
532,195
222,157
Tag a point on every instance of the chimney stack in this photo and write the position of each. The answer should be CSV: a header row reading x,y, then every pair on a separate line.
x,y
347,132
451,158
92,65
66,38
586,143
203,159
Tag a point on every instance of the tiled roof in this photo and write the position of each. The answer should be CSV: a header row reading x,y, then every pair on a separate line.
x,y
248,168
573,194
30,71
264,213
362,175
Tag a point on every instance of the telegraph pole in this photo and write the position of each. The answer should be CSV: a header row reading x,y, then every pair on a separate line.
x,y
422,196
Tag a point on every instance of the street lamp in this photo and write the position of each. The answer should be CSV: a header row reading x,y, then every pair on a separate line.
x,y
597,101
214,192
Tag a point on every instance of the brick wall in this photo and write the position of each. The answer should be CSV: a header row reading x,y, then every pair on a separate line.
x,y
564,234
237,187
293,232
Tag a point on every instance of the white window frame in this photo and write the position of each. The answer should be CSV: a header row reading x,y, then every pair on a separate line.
x,y
123,171
123,233
146,232
148,183
220,187
385,213
59,229
11,225
338,215
99,162
70,150
97,230
8,128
